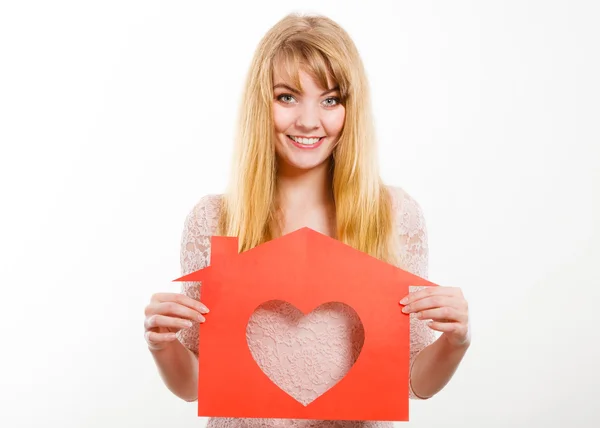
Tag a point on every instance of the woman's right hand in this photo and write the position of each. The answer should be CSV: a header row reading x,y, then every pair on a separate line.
x,y
166,314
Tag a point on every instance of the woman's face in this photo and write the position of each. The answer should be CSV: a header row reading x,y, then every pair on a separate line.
x,y
307,124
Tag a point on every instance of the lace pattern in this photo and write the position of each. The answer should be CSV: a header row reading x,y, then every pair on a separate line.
x,y
305,355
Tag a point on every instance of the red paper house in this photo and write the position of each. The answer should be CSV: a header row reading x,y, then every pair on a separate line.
x,y
306,269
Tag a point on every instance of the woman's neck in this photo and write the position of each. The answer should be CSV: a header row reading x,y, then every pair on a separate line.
x,y
305,199
304,189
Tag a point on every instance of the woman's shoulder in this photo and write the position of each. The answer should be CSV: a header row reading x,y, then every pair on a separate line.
x,y
204,215
408,212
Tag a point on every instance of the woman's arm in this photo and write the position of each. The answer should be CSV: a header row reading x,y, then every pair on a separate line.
x,y
433,361
434,367
177,363
178,368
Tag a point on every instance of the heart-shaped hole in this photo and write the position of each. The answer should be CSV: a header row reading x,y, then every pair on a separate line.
x,y
305,354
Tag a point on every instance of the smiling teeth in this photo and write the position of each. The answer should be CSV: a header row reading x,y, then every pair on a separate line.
x,y
305,141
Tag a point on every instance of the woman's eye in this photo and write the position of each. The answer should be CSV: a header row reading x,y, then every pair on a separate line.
x,y
285,98
329,102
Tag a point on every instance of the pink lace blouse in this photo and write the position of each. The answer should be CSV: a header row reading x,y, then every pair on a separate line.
x,y
304,355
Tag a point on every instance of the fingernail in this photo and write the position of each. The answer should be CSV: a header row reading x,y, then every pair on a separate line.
x,y
204,310
406,309
201,318
404,301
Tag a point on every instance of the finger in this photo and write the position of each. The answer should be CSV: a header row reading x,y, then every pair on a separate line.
x,y
444,327
175,310
182,299
443,314
154,321
429,291
431,302
155,337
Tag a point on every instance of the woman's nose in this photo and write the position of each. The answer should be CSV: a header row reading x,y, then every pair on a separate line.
x,y
308,117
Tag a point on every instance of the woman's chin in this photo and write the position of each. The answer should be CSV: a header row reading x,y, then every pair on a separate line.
x,y
301,163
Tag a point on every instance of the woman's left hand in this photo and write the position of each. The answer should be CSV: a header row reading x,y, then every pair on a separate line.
x,y
447,309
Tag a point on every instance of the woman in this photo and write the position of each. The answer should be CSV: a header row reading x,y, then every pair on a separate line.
x,y
306,156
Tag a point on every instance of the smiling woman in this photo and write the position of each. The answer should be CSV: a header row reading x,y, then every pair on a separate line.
x,y
308,122
305,157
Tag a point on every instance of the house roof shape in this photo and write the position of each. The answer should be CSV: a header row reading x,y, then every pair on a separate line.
x,y
306,269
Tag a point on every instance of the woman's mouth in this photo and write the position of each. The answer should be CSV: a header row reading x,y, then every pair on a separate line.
x,y
306,142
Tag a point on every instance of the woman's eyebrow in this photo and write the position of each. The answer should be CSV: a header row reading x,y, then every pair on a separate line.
x,y
289,88
334,89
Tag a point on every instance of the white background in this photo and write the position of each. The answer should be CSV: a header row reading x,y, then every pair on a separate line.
x,y
117,116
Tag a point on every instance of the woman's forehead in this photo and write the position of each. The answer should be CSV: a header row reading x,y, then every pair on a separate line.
x,y
289,73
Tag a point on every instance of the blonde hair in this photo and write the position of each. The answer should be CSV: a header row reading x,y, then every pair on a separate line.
x,y
363,204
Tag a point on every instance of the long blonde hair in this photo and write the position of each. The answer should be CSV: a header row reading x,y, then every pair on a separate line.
x,y
363,204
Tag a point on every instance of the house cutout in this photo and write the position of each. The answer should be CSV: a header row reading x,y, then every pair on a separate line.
x,y
306,269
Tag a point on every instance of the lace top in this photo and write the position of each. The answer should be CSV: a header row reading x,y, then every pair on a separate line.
x,y
305,355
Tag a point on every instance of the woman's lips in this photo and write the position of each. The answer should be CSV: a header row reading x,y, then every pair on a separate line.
x,y
306,146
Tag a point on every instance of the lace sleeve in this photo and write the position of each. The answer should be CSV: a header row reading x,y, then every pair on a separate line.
x,y
415,259
199,226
